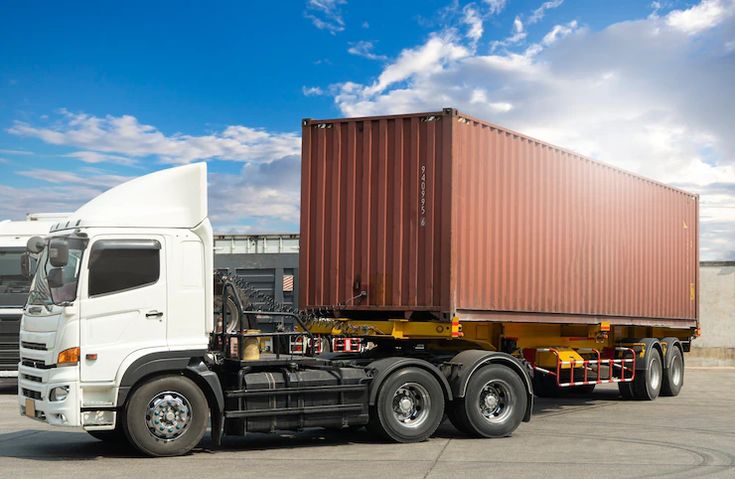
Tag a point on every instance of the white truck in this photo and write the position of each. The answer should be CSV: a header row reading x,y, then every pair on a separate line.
x,y
13,284
119,337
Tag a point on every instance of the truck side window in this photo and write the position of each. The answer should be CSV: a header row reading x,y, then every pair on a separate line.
x,y
119,265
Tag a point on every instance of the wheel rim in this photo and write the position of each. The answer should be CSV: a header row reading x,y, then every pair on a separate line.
x,y
676,370
411,405
168,415
655,373
496,401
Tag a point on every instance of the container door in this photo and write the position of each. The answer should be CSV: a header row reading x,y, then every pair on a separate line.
x,y
123,309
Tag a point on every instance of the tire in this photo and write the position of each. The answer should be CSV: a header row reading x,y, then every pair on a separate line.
x,y
647,382
409,407
183,412
115,436
494,403
673,378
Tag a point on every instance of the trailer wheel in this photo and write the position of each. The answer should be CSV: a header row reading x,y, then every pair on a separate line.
x,y
674,374
647,382
409,406
166,416
494,403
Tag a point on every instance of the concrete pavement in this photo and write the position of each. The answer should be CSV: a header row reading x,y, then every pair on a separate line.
x,y
599,435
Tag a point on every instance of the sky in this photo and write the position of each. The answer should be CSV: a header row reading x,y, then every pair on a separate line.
x,y
93,93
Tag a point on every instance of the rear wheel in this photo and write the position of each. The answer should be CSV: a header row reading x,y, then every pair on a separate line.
x,y
674,374
409,407
494,404
166,416
647,382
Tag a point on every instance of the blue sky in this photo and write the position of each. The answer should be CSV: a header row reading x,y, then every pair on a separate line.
x,y
95,92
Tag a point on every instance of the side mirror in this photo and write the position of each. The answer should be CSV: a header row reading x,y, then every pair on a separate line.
x,y
55,278
58,252
35,245
25,265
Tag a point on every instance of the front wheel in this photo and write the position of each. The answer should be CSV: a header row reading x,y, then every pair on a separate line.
x,y
494,404
409,406
166,416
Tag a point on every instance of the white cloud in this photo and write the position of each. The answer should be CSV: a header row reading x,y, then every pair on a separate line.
x,y
558,32
125,137
312,91
365,49
539,13
96,157
495,6
703,16
518,35
472,19
644,95
326,15
15,152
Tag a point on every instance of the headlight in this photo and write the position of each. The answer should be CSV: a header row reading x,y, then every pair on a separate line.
x,y
59,394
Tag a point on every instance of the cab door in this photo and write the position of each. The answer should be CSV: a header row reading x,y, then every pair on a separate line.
x,y
123,307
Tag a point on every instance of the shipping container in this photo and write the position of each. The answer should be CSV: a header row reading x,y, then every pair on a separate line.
x,y
440,214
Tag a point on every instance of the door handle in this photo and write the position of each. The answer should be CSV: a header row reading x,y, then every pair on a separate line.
x,y
154,314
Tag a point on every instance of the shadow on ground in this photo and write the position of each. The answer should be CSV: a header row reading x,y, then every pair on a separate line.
x,y
55,445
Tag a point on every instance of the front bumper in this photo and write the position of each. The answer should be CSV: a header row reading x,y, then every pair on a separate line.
x,y
35,385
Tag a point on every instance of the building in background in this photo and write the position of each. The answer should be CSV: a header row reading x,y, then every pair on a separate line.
x,y
269,262
716,346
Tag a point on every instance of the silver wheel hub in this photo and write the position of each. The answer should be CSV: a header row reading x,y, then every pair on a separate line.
x,y
411,404
496,401
168,415
491,401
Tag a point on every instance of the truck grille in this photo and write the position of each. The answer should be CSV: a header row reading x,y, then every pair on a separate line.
x,y
36,364
9,331
35,379
35,346
29,393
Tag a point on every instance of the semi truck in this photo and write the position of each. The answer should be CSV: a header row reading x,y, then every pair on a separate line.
x,y
479,267
14,284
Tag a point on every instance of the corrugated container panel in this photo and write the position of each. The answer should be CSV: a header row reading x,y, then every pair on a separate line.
x,y
540,229
375,213
444,212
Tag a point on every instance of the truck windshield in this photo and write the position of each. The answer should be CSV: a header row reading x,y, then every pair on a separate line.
x,y
13,286
41,293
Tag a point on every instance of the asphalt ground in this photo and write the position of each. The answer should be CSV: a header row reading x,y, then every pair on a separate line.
x,y
598,435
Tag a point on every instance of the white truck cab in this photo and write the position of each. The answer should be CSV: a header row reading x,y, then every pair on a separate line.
x,y
126,277
14,285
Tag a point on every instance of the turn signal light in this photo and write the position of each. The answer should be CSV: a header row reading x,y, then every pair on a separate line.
x,y
68,356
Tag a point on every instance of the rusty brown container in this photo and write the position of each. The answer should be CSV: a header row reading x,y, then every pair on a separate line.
x,y
443,214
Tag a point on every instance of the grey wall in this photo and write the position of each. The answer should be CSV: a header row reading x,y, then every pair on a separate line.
x,y
716,346
258,269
